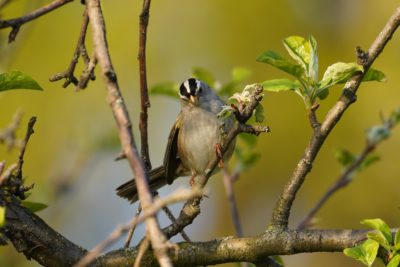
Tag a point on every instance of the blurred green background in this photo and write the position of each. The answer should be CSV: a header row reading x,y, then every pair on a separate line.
x,y
70,157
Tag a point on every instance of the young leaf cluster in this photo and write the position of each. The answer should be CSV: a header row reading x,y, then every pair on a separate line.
x,y
305,70
378,133
374,136
382,237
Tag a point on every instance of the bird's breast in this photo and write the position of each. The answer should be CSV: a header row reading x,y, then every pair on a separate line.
x,y
199,135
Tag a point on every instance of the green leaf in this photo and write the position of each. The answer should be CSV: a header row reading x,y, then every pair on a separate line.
x,y
33,206
279,260
166,88
323,94
395,116
17,80
397,241
338,72
380,238
368,161
240,74
278,85
204,75
394,262
313,65
2,216
344,157
245,158
381,226
225,112
276,60
259,113
366,252
374,75
299,49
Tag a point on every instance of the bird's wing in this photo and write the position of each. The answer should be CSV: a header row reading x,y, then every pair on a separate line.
x,y
171,157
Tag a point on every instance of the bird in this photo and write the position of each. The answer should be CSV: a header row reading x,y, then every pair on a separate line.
x,y
194,141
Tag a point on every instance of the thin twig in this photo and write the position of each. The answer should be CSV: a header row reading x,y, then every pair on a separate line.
x,y
177,196
228,183
120,112
144,95
312,117
171,216
229,179
80,51
132,230
342,181
5,175
141,250
281,213
346,177
87,74
16,23
29,132
8,134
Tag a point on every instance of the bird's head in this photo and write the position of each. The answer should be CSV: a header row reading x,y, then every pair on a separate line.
x,y
193,91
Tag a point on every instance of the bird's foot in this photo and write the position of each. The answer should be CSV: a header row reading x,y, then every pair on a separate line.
x,y
192,181
218,150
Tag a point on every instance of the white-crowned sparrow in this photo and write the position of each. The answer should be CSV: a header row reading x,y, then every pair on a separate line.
x,y
193,141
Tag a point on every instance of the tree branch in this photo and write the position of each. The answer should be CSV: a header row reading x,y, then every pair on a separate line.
x,y
80,51
346,177
247,249
8,134
144,95
342,181
16,23
177,196
118,107
281,213
35,239
28,233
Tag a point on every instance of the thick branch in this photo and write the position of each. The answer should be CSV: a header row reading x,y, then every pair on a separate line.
x,y
33,237
122,119
248,249
178,196
16,23
280,216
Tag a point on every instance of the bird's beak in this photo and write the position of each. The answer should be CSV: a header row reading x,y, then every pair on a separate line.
x,y
194,100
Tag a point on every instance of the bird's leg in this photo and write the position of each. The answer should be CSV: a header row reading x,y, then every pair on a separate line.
x,y
192,181
218,150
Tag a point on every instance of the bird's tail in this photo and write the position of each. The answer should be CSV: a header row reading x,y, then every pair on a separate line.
x,y
129,190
